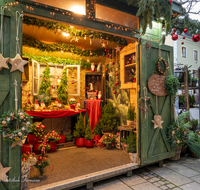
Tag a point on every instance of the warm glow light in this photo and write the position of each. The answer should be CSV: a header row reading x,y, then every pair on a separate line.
x,y
66,34
78,9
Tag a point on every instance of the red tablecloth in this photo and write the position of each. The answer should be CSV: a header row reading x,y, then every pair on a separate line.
x,y
54,114
94,111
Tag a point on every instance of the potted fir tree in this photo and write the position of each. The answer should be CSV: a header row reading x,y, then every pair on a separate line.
x,y
79,132
97,131
109,120
131,116
88,136
131,146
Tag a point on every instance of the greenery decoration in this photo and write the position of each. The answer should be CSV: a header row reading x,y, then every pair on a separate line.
x,y
192,99
109,120
37,129
194,142
131,142
58,60
42,162
88,132
161,70
56,26
79,131
52,136
15,125
62,89
45,87
97,129
31,42
155,9
44,146
171,85
131,113
108,139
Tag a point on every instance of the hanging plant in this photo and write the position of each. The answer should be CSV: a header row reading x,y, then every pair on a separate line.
x,y
171,85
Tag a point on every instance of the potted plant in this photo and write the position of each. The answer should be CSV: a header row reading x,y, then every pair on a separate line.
x,y
42,148
109,120
62,139
194,144
131,142
194,81
79,132
181,101
124,144
108,140
88,136
97,131
51,138
194,124
131,116
36,133
192,100
171,85
41,163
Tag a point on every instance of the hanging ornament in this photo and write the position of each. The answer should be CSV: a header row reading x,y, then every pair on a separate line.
x,y
116,83
113,63
174,29
117,48
3,171
183,37
182,43
175,37
76,39
17,63
108,56
114,92
157,121
105,50
72,82
103,45
116,74
195,38
110,74
3,62
170,1
106,69
173,32
185,30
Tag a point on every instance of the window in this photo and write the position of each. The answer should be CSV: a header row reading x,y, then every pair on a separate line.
x,y
195,73
184,52
195,55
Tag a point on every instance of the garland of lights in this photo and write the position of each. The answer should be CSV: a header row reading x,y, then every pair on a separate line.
x,y
161,70
55,60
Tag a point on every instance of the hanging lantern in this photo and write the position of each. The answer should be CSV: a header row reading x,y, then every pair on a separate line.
x,y
175,37
195,38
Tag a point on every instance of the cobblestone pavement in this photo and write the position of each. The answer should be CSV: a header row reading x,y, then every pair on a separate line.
x,y
182,174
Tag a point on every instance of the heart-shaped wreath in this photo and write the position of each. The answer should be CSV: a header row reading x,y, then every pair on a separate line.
x,y
148,103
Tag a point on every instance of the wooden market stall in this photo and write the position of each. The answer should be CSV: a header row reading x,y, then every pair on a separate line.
x,y
105,34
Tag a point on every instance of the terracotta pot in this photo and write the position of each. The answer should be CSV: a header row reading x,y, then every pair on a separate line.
x,y
72,106
89,143
80,142
53,147
35,148
62,140
26,148
32,139
96,137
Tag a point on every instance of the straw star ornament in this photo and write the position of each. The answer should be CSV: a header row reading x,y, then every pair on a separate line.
x,y
157,121
18,63
3,62
3,171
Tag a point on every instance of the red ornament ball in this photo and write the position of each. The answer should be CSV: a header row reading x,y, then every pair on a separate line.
x,y
23,159
195,38
170,1
107,69
182,43
40,158
174,29
183,37
185,30
113,63
105,50
173,32
116,74
53,131
116,83
114,92
107,56
175,37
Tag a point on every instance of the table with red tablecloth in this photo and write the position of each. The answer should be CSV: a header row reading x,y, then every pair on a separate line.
x,y
55,114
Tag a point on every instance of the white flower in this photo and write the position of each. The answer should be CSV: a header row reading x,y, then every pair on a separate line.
x,y
15,134
8,119
19,134
28,123
23,128
11,136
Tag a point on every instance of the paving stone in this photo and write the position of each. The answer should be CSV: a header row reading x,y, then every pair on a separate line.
x,y
145,173
193,165
191,186
145,186
183,170
170,185
161,182
112,185
133,180
171,176
156,184
153,180
163,187
150,175
196,178
145,177
177,188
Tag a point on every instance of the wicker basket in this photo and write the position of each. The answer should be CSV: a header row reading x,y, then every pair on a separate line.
x,y
194,155
178,153
184,149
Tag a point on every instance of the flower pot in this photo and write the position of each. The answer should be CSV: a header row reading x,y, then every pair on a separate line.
x,y
35,148
129,122
32,139
89,143
96,137
72,106
69,137
26,148
80,142
178,153
53,146
133,157
62,140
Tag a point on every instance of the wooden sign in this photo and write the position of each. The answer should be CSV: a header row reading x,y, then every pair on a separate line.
x,y
156,85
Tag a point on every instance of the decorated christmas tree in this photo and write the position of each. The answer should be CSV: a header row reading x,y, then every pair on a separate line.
x,y
45,87
79,132
62,90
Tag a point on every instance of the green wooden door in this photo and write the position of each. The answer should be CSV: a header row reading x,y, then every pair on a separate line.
x,y
153,142
10,157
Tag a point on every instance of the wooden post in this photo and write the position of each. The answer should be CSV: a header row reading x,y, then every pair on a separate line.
x,y
187,104
199,92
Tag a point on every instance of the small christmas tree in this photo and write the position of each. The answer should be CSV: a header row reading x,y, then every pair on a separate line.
x,y
88,132
131,113
131,141
109,120
45,87
62,90
97,129
79,132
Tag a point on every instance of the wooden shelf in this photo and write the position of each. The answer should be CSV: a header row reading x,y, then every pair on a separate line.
x,y
130,65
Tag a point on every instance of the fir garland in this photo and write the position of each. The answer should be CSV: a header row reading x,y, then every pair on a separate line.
x,y
31,42
58,60
50,25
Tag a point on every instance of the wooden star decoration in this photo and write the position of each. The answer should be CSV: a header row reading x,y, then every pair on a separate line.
x,y
76,39
3,171
19,142
117,48
103,45
18,63
3,62
110,74
157,121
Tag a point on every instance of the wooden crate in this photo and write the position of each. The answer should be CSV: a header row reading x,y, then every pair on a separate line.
x,y
66,144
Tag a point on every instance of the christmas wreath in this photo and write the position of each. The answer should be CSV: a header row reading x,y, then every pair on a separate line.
x,y
148,105
161,70
14,125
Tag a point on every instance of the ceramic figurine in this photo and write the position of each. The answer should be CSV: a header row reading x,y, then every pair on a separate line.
x,y
56,101
92,67
59,104
36,105
99,68
42,104
99,96
91,87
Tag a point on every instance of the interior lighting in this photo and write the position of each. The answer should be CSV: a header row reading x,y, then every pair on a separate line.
x,y
78,9
65,34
